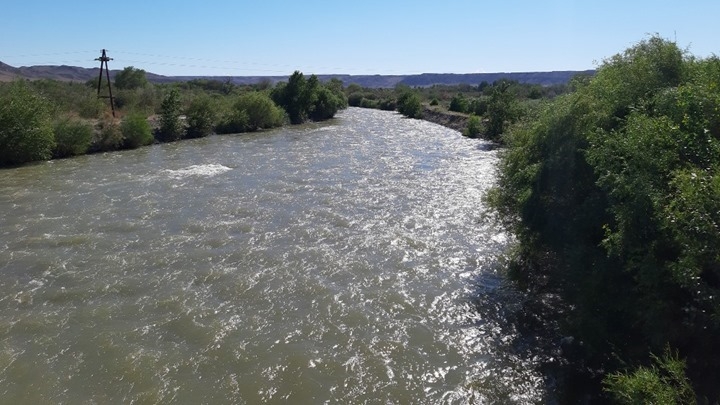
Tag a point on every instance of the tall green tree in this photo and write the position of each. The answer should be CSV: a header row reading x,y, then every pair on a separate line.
x,y
502,109
293,97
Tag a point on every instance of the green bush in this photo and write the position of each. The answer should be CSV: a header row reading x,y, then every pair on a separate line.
x,y
171,129
613,194
200,117
355,99
502,109
663,383
368,103
136,131
26,132
459,104
262,113
72,138
409,105
474,127
130,78
309,99
108,136
234,122
295,97
388,104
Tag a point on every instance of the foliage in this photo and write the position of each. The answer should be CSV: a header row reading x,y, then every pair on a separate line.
x,y
613,193
459,104
72,137
309,99
171,129
409,105
663,383
200,117
136,131
501,110
26,132
294,97
233,122
474,127
130,78
108,136
261,111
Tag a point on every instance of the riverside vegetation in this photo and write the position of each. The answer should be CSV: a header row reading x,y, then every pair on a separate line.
x,y
611,186
46,119
613,193
484,110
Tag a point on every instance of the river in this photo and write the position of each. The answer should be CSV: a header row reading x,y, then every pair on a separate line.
x,y
349,261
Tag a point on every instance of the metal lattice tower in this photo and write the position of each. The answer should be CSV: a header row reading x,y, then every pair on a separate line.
x,y
104,64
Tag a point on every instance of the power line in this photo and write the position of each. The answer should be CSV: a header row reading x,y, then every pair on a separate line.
x,y
212,63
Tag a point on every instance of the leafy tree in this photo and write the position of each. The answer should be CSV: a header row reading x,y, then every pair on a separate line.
x,y
501,109
130,78
26,132
293,97
171,128
309,99
72,138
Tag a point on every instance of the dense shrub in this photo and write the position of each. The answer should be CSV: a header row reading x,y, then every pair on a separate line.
x,y
409,105
664,382
309,99
233,122
459,104
502,109
136,131
261,111
26,132
294,97
171,129
130,78
474,127
613,194
108,136
200,117
72,137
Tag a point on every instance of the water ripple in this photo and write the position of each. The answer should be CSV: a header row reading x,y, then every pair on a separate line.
x,y
343,262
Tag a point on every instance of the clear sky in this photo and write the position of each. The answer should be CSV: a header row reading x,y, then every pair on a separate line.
x,y
272,37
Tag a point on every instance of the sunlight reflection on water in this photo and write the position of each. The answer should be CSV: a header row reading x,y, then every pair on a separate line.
x,y
348,261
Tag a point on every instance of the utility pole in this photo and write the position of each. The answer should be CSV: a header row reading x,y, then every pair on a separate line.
x,y
104,63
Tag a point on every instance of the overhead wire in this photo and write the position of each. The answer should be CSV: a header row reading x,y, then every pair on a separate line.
x,y
235,65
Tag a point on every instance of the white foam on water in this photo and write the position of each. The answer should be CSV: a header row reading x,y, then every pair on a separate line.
x,y
207,170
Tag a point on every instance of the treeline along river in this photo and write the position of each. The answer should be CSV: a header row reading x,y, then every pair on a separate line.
x,y
343,262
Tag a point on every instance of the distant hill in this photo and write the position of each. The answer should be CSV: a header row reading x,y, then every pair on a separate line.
x,y
79,74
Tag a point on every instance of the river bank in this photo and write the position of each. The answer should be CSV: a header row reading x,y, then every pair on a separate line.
x,y
449,119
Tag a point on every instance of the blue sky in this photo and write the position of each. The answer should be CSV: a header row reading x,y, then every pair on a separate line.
x,y
270,37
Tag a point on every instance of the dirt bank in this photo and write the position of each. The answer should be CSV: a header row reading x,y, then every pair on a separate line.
x,y
450,119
